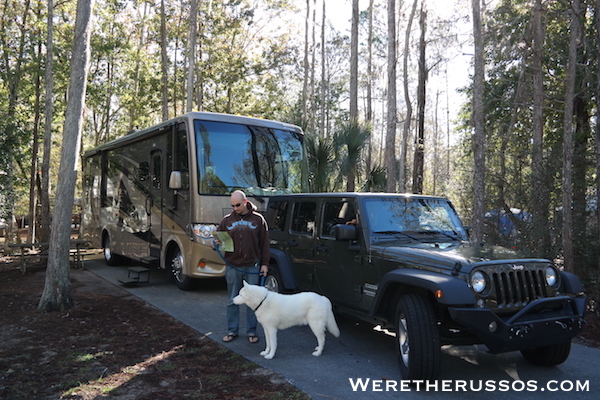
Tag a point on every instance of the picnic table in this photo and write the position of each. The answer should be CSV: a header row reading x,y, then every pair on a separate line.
x,y
28,250
78,255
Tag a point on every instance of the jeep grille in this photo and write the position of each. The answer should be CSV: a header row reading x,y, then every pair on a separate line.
x,y
513,288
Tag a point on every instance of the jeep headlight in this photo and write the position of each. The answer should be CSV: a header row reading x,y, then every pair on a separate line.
x,y
551,276
478,282
204,231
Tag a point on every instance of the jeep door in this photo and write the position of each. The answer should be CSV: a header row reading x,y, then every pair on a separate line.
x,y
338,262
301,242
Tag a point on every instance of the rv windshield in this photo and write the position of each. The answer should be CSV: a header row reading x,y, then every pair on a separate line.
x,y
409,216
259,160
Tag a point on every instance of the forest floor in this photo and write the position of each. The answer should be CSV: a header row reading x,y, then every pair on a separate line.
x,y
113,345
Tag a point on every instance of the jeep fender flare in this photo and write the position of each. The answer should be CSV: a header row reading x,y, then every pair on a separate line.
x,y
570,283
455,291
283,266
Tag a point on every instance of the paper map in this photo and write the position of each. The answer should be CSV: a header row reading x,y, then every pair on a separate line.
x,y
226,241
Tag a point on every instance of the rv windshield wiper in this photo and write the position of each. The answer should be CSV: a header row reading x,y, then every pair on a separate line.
x,y
395,233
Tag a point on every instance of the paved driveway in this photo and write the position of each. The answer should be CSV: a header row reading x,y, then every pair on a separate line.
x,y
358,364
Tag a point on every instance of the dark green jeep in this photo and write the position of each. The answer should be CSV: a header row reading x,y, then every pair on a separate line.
x,y
404,262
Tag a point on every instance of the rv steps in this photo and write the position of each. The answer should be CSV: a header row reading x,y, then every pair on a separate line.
x,y
150,260
135,275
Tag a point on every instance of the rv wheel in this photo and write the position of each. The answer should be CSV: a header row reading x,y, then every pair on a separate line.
x,y
176,265
111,258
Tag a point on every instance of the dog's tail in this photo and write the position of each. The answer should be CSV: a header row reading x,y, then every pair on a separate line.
x,y
331,324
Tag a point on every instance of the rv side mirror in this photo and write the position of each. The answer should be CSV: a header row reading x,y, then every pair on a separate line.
x,y
175,180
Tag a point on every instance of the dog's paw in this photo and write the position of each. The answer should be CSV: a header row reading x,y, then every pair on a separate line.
x,y
264,353
269,356
317,353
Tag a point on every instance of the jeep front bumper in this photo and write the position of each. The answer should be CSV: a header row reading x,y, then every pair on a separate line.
x,y
541,323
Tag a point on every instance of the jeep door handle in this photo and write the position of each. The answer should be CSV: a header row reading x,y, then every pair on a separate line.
x,y
321,248
292,243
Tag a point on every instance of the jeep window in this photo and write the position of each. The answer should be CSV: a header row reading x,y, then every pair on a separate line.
x,y
303,220
414,215
334,213
278,211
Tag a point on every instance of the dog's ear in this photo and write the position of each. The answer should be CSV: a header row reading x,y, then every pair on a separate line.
x,y
245,283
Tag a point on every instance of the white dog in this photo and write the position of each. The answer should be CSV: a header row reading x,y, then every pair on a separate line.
x,y
280,311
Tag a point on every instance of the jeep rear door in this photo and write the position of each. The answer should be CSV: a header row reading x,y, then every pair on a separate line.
x,y
301,242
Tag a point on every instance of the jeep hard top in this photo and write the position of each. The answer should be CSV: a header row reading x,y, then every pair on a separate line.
x,y
405,262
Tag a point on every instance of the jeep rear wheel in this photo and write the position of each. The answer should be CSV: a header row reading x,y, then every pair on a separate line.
x,y
548,356
417,338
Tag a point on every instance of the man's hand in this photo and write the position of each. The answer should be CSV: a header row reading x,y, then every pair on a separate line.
x,y
264,269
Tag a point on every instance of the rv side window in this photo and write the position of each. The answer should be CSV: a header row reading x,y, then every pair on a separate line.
x,y
144,171
157,167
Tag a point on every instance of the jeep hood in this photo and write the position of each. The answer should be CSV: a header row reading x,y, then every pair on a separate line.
x,y
448,254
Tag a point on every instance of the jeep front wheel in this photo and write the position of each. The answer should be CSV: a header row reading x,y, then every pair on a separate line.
x,y
548,356
273,280
417,338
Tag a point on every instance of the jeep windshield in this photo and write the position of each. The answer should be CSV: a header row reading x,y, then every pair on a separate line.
x,y
413,218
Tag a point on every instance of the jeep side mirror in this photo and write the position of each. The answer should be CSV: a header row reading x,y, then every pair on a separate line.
x,y
345,232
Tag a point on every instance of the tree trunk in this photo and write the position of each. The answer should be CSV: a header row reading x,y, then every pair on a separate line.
x,y
539,193
303,117
192,55
45,192
57,288
323,76
517,102
597,23
390,147
313,58
369,113
351,176
419,159
13,81
354,63
164,62
408,118
35,145
478,124
567,179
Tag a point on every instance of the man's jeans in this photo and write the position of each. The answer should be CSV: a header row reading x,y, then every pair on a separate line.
x,y
235,278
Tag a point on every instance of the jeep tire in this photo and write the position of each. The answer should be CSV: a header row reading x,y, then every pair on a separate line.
x,y
417,338
548,356
273,280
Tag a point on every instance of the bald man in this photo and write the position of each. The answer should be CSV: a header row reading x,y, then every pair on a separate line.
x,y
250,235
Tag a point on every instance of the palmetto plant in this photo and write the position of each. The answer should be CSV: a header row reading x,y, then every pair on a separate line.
x,y
331,159
321,162
350,140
